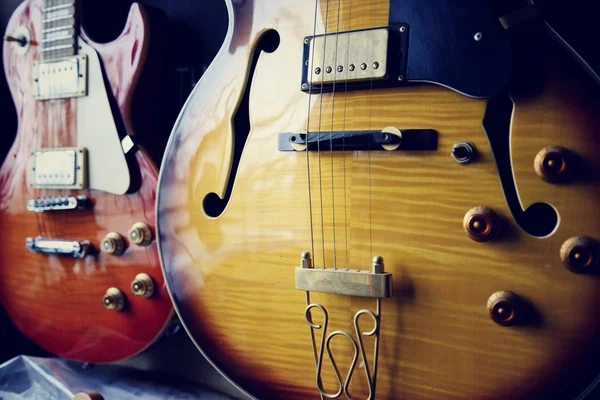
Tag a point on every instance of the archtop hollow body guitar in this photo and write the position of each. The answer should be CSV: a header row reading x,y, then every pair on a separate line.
x,y
79,267
388,199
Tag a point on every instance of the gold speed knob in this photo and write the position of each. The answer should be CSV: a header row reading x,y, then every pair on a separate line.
x,y
113,244
580,254
504,308
482,224
141,234
143,285
114,299
554,164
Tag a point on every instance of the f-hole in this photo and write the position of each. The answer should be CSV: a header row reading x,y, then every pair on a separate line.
x,y
539,219
213,204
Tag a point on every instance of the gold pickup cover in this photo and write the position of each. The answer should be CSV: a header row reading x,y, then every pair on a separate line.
x,y
348,56
58,168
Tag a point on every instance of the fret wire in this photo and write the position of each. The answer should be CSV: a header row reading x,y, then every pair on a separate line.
x,y
59,33
62,17
59,28
60,7
56,39
66,46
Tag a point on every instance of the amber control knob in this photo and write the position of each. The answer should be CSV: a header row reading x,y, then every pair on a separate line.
x,y
554,164
504,308
580,254
114,299
113,244
482,224
143,285
140,234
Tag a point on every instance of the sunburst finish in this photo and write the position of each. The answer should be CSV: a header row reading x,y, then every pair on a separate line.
x,y
232,277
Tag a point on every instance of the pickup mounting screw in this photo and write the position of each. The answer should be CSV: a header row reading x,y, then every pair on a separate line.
x,y
305,41
304,86
403,29
478,36
400,78
363,66
318,70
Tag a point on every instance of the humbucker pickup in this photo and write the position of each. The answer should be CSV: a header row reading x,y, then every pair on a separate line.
x,y
60,79
356,57
58,203
59,168
62,247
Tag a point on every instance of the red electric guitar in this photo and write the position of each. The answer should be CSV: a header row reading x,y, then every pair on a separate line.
x,y
79,268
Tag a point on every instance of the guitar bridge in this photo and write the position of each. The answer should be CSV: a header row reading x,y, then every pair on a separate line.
x,y
60,247
372,283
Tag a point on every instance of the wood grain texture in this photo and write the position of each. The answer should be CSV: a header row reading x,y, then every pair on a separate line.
x,y
232,277
57,301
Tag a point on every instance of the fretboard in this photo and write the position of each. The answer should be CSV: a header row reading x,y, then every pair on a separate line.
x,y
59,29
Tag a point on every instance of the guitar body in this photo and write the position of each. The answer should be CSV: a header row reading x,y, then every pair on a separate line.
x,y
232,274
57,301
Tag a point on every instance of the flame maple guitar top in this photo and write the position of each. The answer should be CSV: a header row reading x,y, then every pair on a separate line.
x,y
232,276
56,301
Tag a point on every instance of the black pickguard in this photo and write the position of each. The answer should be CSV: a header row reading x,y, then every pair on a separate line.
x,y
442,48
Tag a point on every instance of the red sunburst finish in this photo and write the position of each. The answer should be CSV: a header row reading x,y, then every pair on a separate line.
x,y
57,301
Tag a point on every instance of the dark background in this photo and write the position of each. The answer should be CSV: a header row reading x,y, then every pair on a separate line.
x,y
196,29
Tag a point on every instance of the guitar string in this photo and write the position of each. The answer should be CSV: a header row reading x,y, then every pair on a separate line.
x,y
346,65
36,139
370,128
335,71
319,131
310,92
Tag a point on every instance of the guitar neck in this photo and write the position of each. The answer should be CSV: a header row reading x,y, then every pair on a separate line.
x,y
59,29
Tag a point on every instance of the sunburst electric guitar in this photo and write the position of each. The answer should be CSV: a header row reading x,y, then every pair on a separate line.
x,y
390,199
79,268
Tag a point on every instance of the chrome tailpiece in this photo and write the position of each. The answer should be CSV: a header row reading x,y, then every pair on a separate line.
x,y
373,283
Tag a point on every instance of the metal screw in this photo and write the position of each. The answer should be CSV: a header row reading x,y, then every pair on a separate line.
x,y
478,36
304,86
306,63
317,70
340,68
363,66
351,67
305,41
402,28
377,267
305,261
375,65
328,69
401,78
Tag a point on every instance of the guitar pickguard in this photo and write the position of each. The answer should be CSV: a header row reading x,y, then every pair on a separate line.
x,y
97,131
